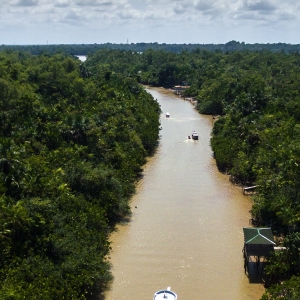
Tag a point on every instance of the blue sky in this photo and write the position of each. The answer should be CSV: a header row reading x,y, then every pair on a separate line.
x,y
161,21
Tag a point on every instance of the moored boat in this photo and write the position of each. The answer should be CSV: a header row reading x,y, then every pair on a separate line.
x,y
165,294
195,135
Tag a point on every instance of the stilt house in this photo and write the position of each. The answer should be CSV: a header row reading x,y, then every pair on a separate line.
x,y
258,244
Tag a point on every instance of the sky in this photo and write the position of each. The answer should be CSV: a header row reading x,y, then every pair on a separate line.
x,y
40,22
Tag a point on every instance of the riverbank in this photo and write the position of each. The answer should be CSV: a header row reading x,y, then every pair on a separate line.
x,y
179,94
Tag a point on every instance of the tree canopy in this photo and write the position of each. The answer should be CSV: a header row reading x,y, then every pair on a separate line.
x,y
72,144
73,138
87,49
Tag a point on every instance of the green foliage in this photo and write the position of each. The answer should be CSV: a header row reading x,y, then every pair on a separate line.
x,y
86,49
288,290
73,138
285,263
72,143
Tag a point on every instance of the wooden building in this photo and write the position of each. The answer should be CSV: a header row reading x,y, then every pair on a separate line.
x,y
249,189
178,89
258,245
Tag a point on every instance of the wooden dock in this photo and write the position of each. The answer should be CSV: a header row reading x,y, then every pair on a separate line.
x,y
249,189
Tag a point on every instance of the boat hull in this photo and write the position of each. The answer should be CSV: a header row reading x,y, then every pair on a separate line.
x,y
165,294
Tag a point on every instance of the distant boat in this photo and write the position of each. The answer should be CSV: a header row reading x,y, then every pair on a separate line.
x,y
165,294
195,135
167,115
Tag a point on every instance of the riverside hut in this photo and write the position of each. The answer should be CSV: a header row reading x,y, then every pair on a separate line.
x,y
249,189
178,89
258,244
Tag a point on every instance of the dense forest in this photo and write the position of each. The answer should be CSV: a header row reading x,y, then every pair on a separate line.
x,y
255,99
75,135
87,49
72,145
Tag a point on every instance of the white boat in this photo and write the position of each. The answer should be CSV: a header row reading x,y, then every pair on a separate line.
x,y
195,135
165,294
167,115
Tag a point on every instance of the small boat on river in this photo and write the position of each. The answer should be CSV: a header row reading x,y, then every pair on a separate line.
x,y
167,115
195,135
165,294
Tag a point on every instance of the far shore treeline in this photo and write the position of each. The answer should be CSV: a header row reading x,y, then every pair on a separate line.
x,y
87,49
75,135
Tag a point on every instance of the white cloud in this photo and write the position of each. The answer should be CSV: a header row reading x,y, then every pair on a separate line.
x,y
128,14
178,8
26,3
61,3
73,15
259,5
286,16
94,3
197,20
203,5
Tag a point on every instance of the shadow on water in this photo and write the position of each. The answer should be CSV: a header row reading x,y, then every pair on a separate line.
x,y
255,272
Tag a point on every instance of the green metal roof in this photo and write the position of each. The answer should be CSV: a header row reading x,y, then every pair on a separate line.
x,y
261,236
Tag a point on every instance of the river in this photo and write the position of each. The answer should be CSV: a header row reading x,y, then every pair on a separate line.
x,y
81,57
187,218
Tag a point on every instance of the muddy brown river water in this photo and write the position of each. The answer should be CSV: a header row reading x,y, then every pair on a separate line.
x,y
187,218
